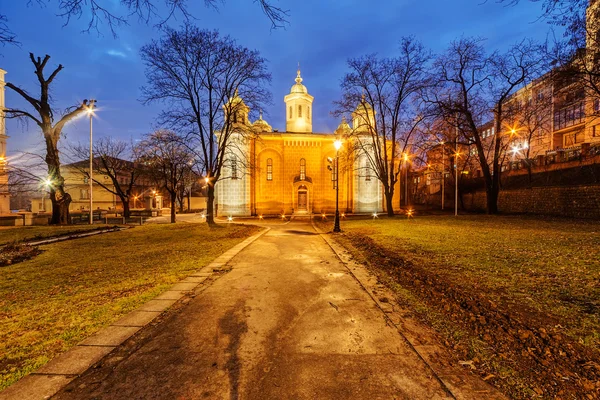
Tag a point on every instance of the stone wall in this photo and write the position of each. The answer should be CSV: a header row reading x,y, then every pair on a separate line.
x,y
567,201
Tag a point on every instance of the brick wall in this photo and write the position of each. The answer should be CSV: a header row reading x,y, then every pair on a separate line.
x,y
567,201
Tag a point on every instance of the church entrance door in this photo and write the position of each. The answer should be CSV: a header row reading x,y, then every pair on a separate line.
x,y
302,198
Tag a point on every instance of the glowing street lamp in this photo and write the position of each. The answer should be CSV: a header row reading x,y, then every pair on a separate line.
x,y
336,225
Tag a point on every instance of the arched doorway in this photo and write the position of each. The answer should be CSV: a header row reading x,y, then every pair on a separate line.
x,y
302,198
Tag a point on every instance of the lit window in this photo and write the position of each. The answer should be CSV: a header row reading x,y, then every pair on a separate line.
x,y
290,117
302,169
234,171
299,111
84,194
308,112
269,169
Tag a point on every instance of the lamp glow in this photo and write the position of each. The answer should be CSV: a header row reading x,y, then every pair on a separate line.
x,y
337,144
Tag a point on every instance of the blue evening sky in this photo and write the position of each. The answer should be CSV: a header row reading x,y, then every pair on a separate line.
x,y
321,35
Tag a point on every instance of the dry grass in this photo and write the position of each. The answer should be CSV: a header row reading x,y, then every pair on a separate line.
x,y
552,266
74,288
518,296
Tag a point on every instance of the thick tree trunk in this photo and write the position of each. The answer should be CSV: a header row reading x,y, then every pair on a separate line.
x,y
210,205
389,196
60,207
492,199
126,210
173,215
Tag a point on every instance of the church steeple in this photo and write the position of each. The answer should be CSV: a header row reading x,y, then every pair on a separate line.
x,y
298,107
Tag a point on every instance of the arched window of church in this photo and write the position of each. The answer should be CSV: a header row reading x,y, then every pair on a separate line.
x,y
234,171
299,111
269,169
290,112
308,112
302,169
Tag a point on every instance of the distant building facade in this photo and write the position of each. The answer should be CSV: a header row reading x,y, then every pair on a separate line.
x,y
268,172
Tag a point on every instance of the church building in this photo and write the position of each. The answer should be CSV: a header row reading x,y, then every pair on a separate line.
x,y
269,172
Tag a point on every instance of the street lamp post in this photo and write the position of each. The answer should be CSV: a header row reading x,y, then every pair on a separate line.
x,y
90,112
443,175
336,225
406,179
456,168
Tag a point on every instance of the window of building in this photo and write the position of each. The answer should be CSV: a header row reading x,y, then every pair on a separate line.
x,y
234,170
308,112
569,116
573,139
595,131
596,105
302,169
299,111
290,117
84,194
367,169
269,169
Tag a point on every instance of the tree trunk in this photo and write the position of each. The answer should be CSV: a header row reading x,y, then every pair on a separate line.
x,y
126,210
210,205
60,207
389,196
173,217
492,199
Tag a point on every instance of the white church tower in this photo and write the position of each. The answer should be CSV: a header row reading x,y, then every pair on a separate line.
x,y
298,106
4,196
233,187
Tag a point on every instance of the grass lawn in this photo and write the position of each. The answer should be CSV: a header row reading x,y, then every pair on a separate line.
x,y
74,288
542,272
10,234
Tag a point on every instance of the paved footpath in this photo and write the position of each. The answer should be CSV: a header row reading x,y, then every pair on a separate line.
x,y
288,321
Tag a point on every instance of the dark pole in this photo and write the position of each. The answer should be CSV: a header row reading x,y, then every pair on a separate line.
x,y
336,225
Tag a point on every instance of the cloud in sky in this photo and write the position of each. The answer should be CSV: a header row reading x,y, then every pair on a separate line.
x,y
116,53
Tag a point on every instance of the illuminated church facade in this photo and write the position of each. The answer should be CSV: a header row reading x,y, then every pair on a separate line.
x,y
274,173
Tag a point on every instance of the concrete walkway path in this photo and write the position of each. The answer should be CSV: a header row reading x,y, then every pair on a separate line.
x,y
288,321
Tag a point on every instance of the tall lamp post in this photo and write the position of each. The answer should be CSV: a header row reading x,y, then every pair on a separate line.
x,y
443,174
336,225
90,111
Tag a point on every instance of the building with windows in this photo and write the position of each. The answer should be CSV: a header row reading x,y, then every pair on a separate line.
x,y
268,172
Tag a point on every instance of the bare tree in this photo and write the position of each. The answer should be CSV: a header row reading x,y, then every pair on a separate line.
x,y
147,11
168,162
530,123
474,87
7,36
113,159
201,77
387,116
43,115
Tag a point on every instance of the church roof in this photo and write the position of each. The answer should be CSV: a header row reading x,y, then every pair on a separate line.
x,y
262,125
299,87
